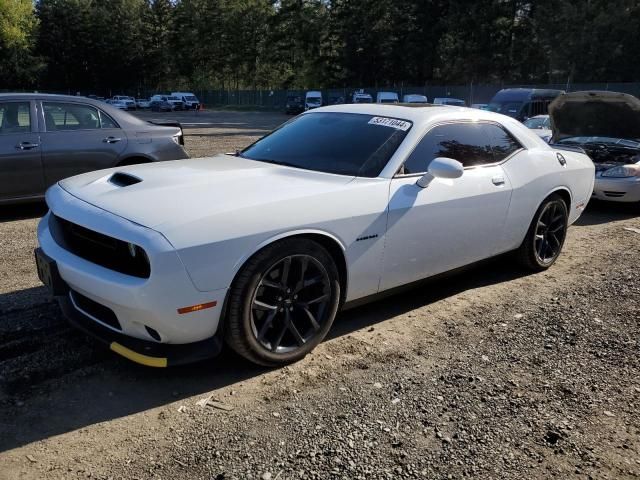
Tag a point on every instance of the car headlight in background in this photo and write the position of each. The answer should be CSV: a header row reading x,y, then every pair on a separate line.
x,y
623,171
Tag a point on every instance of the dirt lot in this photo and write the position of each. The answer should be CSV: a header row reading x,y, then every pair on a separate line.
x,y
491,373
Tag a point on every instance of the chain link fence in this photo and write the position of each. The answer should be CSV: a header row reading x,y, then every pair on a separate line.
x,y
276,99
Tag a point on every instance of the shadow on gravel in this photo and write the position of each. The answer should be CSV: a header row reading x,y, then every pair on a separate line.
x,y
598,213
10,213
64,381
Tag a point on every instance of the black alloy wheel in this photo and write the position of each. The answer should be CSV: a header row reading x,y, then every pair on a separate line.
x,y
283,302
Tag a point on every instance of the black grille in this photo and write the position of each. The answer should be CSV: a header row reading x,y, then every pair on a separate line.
x,y
100,312
101,249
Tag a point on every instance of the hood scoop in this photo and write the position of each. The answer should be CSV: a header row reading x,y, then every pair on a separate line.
x,y
121,179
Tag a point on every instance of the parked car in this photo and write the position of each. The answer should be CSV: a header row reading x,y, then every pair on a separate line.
x,y
480,106
606,125
44,138
336,100
119,104
312,99
143,103
261,248
523,103
361,97
541,125
160,106
188,99
130,102
387,97
294,105
176,104
413,98
456,102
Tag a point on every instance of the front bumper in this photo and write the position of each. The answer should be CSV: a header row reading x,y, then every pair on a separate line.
x,y
146,308
150,354
617,189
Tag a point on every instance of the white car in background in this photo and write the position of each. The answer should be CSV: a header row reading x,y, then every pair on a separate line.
x,y
605,125
413,98
456,102
130,102
260,249
541,125
120,104
387,97
143,103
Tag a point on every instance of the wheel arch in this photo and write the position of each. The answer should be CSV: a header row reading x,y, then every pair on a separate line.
x,y
330,242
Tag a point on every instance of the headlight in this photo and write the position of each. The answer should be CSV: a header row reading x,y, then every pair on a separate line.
x,y
623,171
177,138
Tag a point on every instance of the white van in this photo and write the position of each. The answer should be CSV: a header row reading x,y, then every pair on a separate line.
x,y
313,99
188,99
387,97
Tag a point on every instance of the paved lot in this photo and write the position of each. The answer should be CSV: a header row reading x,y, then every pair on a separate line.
x,y
491,373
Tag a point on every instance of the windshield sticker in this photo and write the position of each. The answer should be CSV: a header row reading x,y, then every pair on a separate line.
x,y
391,122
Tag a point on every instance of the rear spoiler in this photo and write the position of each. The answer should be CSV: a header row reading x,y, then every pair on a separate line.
x,y
170,123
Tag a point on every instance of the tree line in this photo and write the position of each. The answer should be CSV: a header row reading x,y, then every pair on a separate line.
x,y
102,46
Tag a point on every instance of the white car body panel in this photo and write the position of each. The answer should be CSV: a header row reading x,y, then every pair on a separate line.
x,y
200,220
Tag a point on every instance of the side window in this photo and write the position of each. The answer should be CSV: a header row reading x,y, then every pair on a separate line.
x,y
15,117
70,116
502,142
466,142
106,121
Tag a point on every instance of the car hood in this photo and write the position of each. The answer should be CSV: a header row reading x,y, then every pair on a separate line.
x,y
169,195
594,113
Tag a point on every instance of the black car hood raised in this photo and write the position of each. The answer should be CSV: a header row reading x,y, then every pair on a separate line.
x,y
595,113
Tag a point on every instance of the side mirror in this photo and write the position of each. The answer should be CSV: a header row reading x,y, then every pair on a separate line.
x,y
441,167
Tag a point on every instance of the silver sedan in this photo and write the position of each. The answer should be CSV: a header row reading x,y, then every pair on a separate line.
x,y
45,138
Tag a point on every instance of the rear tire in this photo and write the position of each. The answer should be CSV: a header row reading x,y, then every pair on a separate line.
x,y
546,235
282,302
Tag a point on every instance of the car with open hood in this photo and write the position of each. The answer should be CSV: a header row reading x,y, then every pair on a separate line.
x,y
261,248
605,125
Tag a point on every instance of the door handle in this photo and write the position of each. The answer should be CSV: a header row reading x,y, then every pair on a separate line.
x,y
111,140
498,180
27,146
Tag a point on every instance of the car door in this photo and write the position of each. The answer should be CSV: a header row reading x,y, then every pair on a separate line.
x,y
451,222
78,138
21,173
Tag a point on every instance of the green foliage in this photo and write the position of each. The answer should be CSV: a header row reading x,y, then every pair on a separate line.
x,y
18,25
110,46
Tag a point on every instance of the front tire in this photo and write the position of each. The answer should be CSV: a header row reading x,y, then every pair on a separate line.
x,y
546,235
283,302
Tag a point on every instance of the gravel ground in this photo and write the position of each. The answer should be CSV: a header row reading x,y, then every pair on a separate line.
x,y
489,373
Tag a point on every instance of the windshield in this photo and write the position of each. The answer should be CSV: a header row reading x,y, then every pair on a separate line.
x,y
537,122
342,143
506,108
190,98
314,100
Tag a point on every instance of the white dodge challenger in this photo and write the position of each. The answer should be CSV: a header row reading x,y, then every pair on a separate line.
x,y
261,248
